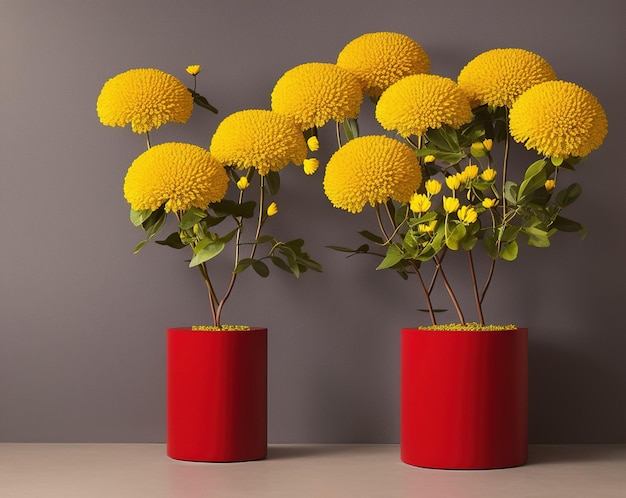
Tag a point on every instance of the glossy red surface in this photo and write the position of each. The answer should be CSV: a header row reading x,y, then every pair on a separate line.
x,y
464,399
217,395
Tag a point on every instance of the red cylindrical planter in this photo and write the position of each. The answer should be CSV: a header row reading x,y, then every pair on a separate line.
x,y
217,395
464,399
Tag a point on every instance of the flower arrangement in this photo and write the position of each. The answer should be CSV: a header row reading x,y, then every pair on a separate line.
x,y
207,189
445,183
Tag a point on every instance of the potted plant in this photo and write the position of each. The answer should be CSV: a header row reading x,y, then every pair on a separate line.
x,y
444,185
216,373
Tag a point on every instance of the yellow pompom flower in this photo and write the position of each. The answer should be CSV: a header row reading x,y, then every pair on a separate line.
x,y
145,98
497,77
422,101
489,203
558,119
313,143
453,181
272,209
450,204
433,187
549,185
261,139
370,170
243,183
467,214
179,175
380,59
310,165
194,69
489,174
314,93
419,203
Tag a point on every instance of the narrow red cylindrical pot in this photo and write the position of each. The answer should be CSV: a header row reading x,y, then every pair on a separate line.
x,y
464,399
216,395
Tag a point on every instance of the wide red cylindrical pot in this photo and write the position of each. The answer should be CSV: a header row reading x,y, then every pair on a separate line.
x,y
217,395
464,399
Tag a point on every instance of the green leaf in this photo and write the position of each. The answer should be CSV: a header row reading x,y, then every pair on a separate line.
x,y
263,239
261,268
205,250
280,263
536,237
272,180
351,127
202,101
138,217
243,264
534,178
292,260
566,225
455,236
445,139
372,236
173,240
509,251
231,208
394,255
191,217
569,194
510,192
490,244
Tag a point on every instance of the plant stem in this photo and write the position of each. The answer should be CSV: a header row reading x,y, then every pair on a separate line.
x,y
488,281
450,291
429,303
479,308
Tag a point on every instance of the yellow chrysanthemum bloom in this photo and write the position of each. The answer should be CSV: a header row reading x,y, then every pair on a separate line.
x,y
419,203
450,204
145,98
549,185
261,139
380,59
453,181
433,187
489,203
272,209
314,93
558,119
467,214
489,174
179,175
310,165
370,170
422,101
313,143
194,69
497,77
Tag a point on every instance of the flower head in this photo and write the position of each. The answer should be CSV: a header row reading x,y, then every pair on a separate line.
x,y
178,175
272,209
427,227
489,174
194,69
145,98
314,93
488,144
380,59
419,203
370,170
262,139
549,185
422,101
467,214
450,204
470,172
313,143
489,203
429,158
453,181
243,183
310,165
433,187
558,119
497,77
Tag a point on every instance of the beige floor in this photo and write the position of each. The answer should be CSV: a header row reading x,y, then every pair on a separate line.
x,y
294,471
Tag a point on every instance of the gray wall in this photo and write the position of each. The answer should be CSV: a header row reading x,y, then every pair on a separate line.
x,y
82,320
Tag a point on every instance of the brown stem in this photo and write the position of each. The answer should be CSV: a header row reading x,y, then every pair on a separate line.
x,y
457,307
479,308
429,303
488,281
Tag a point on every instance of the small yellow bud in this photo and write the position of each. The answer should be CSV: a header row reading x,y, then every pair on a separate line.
x,y
450,204
194,70
310,165
433,187
467,214
549,185
453,182
419,203
427,227
489,203
470,171
243,183
489,174
488,144
477,149
313,143
272,209
429,159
